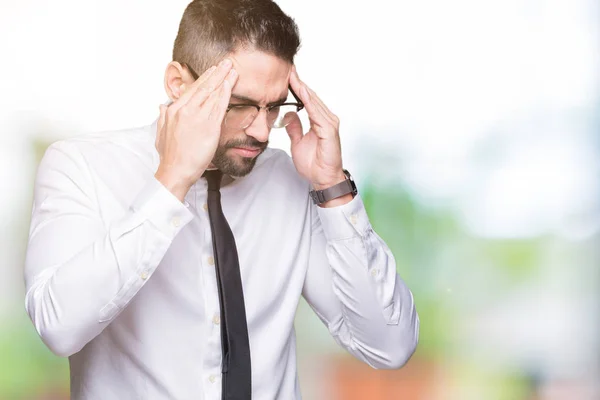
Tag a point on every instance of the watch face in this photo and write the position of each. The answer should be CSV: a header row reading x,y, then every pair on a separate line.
x,y
347,173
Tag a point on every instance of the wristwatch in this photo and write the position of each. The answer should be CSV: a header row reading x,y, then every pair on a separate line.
x,y
335,191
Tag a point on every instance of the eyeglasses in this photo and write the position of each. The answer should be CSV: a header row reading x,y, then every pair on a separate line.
x,y
241,116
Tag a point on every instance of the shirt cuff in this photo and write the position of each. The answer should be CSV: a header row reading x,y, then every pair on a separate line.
x,y
345,221
162,208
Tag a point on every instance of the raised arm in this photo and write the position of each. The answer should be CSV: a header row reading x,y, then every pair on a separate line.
x,y
353,287
81,270
80,273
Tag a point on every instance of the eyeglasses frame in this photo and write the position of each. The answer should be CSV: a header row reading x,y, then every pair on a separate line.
x,y
299,104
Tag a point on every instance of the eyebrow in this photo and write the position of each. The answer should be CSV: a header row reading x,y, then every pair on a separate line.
x,y
248,100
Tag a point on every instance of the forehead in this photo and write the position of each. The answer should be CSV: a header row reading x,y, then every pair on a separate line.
x,y
262,76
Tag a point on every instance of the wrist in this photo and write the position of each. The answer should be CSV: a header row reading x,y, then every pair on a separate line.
x,y
335,192
329,182
173,182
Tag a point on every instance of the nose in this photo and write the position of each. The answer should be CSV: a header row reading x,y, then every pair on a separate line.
x,y
259,128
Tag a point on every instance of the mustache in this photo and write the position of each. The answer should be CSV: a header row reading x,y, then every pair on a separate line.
x,y
248,142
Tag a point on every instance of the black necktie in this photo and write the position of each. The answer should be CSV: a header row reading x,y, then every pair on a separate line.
x,y
236,373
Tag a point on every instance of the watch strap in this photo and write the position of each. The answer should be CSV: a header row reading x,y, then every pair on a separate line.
x,y
341,189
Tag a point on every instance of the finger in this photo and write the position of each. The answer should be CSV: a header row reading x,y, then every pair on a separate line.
x,y
316,99
315,115
215,107
220,107
318,104
294,129
202,78
297,84
311,93
315,112
324,109
187,92
199,98
200,93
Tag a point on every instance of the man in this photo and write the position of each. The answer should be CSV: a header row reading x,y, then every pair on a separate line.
x,y
161,279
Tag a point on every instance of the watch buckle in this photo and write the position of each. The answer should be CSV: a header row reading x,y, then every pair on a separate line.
x,y
317,196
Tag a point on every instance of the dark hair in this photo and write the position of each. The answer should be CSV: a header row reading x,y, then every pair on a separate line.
x,y
211,29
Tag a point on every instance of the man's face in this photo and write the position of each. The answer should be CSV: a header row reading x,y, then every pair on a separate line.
x,y
263,79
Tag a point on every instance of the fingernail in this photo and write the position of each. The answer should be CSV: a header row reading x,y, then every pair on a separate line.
x,y
232,73
182,87
211,69
226,62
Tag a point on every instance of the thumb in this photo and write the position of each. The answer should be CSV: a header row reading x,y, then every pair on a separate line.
x,y
161,122
294,128
163,115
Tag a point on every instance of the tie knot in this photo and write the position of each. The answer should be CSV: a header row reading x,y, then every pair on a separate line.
x,y
213,177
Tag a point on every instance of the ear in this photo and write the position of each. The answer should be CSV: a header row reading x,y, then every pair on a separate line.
x,y
177,78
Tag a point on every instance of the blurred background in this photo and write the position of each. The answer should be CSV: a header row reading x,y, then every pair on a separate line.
x,y
473,130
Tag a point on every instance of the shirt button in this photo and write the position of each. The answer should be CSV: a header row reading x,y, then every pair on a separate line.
x,y
205,207
211,261
212,379
144,275
216,319
374,272
176,221
353,219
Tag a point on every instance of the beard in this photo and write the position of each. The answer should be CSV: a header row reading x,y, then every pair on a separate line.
x,y
235,165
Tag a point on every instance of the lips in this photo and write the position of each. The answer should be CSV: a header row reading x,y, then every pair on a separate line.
x,y
249,152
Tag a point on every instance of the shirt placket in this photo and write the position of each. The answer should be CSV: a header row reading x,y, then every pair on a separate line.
x,y
212,357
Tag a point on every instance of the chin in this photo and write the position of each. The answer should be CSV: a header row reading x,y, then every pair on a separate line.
x,y
235,165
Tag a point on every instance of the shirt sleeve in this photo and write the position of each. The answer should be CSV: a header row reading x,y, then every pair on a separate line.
x,y
81,271
353,287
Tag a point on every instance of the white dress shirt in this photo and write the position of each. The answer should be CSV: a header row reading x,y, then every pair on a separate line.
x,y
120,274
